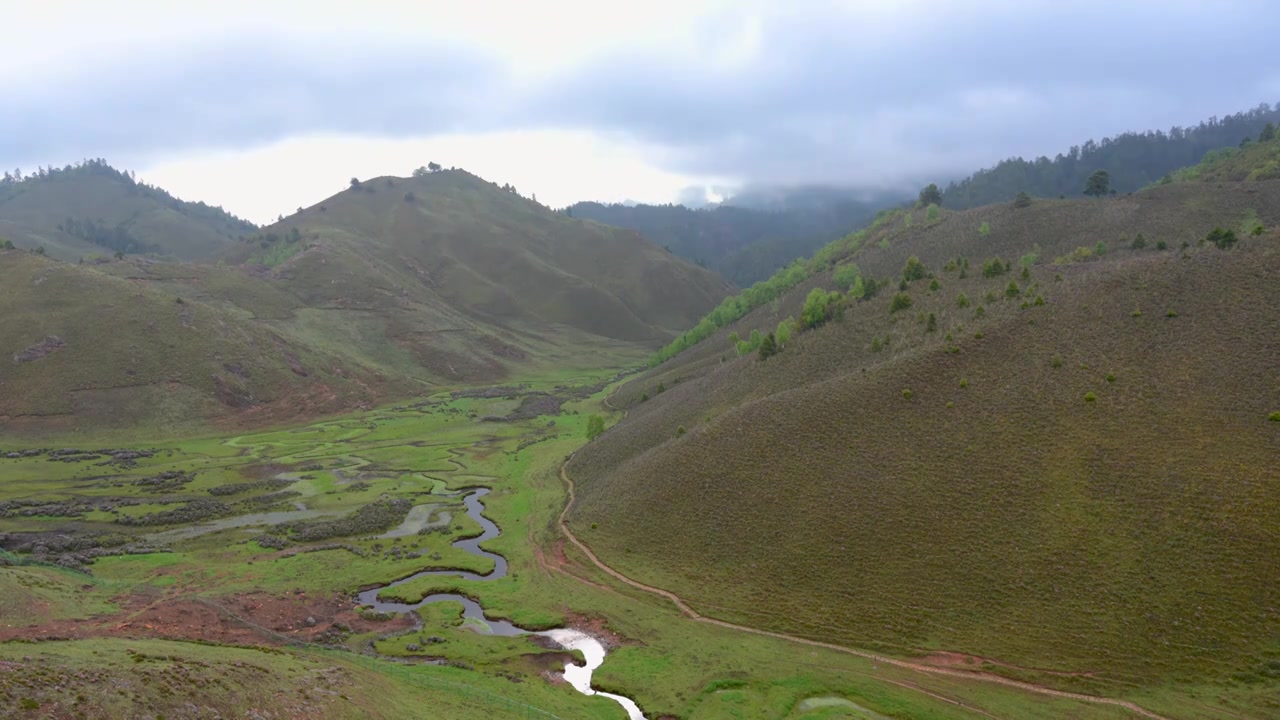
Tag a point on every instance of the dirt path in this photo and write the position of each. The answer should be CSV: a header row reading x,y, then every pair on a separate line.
x,y
933,670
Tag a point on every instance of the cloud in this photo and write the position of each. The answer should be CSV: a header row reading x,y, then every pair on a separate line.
x,y
843,96
850,92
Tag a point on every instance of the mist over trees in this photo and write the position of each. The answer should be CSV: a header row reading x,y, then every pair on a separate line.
x,y
1134,160
743,244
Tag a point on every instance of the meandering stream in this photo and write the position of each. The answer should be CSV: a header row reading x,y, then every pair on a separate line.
x,y
579,676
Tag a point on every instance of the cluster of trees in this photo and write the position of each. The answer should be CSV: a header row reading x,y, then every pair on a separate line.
x,y
733,308
1135,160
115,238
431,167
784,279
12,183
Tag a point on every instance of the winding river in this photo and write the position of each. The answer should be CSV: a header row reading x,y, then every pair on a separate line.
x,y
593,652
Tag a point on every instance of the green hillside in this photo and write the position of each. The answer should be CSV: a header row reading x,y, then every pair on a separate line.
x,y
1251,162
92,209
376,293
83,350
1068,474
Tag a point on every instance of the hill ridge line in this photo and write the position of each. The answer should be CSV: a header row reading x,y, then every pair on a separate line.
x,y
692,614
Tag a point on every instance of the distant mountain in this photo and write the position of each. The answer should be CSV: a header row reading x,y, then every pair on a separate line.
x,y
391,286
744,244
1134,160
93,209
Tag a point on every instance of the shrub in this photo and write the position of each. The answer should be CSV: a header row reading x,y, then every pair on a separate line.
x,y
932,325
1022,200
644,397
901,301
993,268
768,347
1100,248
1136,313
1162,245
783,333
1111,378
1090,397
1080,254
875,344
1224,239
980,311
1274,417
1012,290
978,335
932,212
595,427
1171,314
1026,274
933,286
1138,243
1039,301
902,285
962,300
964,383
846,275
984,229
913,270
884,244
859,289
819,307
1030,258
906,394
680,431
662,388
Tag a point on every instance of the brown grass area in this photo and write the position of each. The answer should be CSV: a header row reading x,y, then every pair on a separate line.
x,y
1131,539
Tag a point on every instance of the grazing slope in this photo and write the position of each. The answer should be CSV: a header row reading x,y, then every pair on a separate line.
x,y
78,346
95,210
1255,161
1086,485
379,291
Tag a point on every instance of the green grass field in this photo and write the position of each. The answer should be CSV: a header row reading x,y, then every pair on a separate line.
x,y
672,666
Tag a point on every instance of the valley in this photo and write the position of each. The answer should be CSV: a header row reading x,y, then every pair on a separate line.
x,y
295,596
428,447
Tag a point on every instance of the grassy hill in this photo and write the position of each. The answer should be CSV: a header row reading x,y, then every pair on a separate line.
x,y
1255,161
375,293
93,210
84,350
1070,479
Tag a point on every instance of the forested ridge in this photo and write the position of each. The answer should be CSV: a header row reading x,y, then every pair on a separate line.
x,y
1133,159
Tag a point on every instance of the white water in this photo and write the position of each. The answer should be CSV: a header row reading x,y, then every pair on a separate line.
x,y
579,676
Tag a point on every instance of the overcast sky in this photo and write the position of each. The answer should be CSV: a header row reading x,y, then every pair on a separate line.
x,y
265,106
